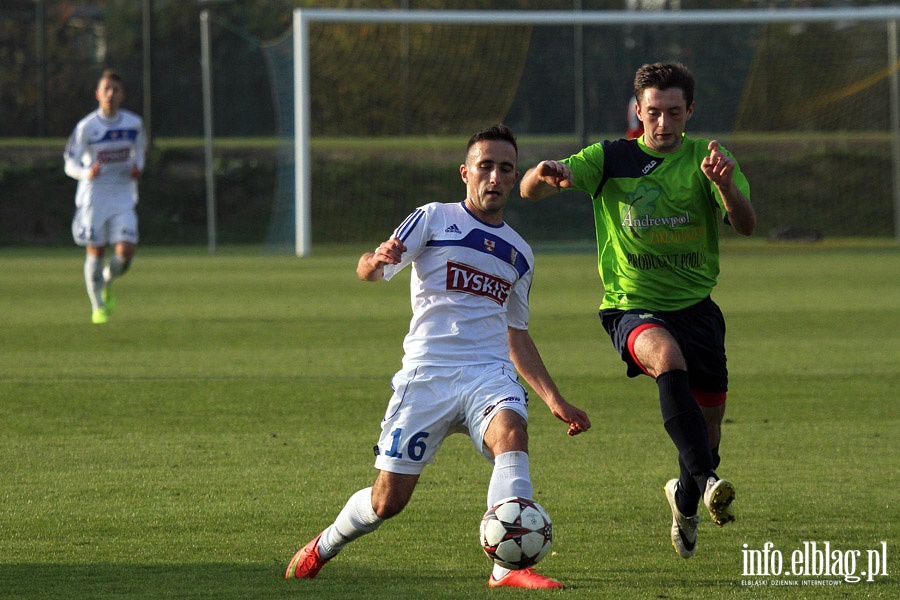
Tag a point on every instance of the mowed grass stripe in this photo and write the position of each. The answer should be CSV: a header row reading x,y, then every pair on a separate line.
x,y
223,416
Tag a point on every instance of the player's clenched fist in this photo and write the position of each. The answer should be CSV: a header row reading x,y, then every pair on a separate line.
x,y
554,173
371,264
389,252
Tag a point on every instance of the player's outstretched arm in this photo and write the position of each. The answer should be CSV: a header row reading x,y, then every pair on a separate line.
x,y
545,179
528,362
371,264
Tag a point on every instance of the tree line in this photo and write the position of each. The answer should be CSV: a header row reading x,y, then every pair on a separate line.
x,y
52,52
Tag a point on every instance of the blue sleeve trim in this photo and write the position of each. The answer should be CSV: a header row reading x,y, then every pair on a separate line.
x,y
409,224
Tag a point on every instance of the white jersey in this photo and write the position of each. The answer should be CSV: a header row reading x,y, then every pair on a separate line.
x,y
117,144
470,281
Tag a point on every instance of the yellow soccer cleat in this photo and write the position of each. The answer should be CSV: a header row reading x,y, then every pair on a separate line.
x,y
718,498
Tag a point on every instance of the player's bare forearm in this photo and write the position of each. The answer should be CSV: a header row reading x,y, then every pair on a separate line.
x,y
371,264
545,179
740,211
528,363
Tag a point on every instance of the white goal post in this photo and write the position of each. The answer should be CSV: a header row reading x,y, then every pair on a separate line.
x,y
302,18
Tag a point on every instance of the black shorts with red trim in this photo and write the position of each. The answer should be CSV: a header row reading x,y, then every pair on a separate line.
x,y
699,330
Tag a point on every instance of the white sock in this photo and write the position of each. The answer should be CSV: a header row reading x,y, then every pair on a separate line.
x,y
511,477
355,520
93,280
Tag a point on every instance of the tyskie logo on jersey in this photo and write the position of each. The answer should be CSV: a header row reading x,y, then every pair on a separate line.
x,y
113,156
463,278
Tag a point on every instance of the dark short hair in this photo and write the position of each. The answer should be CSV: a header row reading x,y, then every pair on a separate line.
x,y
662,76
112,75
495,132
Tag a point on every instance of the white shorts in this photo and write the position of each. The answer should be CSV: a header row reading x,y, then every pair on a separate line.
x,y
431,403
90,228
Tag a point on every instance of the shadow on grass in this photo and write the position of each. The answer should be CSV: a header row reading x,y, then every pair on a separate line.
x,y
225,581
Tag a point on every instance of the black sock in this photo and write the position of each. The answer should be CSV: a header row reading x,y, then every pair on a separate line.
x,y
686,427
687,494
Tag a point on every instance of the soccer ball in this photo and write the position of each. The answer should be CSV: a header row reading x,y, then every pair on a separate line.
x,y
516,533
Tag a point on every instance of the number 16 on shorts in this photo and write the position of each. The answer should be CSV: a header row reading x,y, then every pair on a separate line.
x,y
415,449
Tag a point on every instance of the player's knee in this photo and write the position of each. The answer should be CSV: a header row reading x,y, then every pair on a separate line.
x,y
119,265
664,358
509,435
517,439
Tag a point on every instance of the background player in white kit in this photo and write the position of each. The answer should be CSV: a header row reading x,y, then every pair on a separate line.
x,y
468,336
105,153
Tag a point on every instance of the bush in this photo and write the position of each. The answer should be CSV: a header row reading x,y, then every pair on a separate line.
x,y
833,189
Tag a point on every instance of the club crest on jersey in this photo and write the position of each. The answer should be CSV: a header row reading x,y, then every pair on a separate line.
x,y
489,245
463,278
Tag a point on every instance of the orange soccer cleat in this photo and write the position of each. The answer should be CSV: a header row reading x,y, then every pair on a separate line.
x,y
307,562
524,578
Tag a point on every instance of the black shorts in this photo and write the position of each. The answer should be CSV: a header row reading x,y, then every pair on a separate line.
x,y
698,329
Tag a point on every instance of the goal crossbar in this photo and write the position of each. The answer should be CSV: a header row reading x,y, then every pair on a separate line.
x,y
598,17
303,17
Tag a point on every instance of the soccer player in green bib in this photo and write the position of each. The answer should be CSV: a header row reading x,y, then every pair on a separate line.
x,y
656,203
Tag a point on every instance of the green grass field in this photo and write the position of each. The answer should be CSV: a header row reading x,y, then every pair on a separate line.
x,y
227,411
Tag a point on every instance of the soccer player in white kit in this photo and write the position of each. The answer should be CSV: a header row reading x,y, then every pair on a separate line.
x,y
471,275
105,153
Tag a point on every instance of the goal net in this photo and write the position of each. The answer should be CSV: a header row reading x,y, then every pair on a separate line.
x,y
375,108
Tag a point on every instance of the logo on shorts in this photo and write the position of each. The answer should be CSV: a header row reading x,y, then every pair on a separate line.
x,y
463,278
513,399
